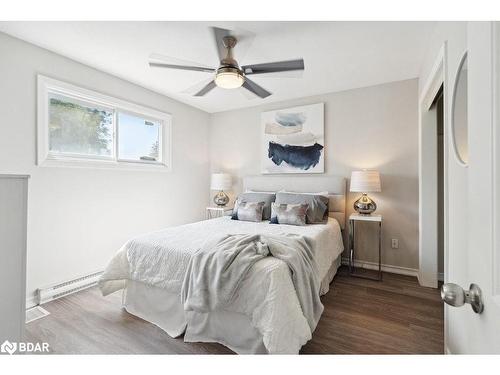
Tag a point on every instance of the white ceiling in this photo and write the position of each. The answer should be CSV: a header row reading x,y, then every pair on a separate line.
x,y
338,55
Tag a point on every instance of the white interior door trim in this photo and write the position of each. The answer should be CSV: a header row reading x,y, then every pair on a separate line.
x,y
496,161
427,160
436,78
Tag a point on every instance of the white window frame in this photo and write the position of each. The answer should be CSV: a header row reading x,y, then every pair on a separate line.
x,y
47,85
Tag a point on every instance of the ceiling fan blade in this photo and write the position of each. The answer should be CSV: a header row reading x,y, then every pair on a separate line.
x,y
181,67
249,95
219,35
255,88
161,61
209,87
191,90
295,74
274,67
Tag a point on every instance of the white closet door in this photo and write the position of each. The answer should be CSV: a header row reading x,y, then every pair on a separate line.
x,y
13,211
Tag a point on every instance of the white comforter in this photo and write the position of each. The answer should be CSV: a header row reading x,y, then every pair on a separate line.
x,y
266,295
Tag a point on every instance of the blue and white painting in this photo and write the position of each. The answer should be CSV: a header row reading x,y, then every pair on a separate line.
x,y
293,140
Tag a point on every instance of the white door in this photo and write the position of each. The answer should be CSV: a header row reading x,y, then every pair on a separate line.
x,y
473,200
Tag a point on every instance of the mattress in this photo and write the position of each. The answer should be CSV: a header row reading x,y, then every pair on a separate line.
x,y
266,296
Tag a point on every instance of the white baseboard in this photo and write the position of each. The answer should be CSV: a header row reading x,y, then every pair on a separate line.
x,y
31,302
385,267
428,280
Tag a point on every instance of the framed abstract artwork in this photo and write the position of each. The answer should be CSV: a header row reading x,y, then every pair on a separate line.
x,y
293,140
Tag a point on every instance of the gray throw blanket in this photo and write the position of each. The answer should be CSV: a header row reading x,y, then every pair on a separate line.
x,y
215,272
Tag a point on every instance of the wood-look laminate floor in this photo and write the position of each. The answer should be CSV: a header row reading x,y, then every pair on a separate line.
x,y
395,316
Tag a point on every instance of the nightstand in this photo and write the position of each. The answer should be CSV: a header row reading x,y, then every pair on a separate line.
x,y
376,219
213,212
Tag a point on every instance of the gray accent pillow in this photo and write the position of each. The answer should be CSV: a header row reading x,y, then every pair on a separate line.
x,y
250,211
291,214
267,198
317,211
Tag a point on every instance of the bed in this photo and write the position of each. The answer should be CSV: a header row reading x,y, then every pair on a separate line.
x,y
265,316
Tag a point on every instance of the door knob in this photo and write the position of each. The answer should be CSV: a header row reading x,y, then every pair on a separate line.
x,y
454,295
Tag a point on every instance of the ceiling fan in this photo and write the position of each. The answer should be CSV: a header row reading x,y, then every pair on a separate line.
x,y
229,74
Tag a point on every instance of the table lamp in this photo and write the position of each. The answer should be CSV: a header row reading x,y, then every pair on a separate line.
x,y
365,181
221,182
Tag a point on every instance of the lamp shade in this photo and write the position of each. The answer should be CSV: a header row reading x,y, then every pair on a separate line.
x,y
221,181
365,181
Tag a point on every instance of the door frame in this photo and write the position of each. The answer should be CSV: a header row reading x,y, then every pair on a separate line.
x,y
427,170
496,163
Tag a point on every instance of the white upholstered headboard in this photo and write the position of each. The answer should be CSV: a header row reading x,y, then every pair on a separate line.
x,y
334,185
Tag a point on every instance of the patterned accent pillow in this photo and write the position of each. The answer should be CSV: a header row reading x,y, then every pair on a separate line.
x,y
291,214
317,211
249,211
254,196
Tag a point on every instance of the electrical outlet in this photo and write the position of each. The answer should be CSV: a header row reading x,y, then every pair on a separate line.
x,y
395,243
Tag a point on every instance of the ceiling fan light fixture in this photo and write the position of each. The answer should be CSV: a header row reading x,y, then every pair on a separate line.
x,y
229,78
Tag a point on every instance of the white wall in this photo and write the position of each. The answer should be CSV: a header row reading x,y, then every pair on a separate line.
x,y
78,218
372,127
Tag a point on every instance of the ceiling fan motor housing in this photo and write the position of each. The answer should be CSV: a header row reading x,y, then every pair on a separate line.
x,y
229,74
229,69
228,61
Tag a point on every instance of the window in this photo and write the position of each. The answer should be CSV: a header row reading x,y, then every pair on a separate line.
x,y
83,128
79,129
138,138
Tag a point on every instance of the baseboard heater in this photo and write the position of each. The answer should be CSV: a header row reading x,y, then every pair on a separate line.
x,y
65,288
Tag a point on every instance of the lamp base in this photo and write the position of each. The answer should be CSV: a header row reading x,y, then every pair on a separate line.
x,y
364,205
221,199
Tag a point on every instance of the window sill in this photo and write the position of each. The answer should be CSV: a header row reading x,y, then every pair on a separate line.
x,y
105,164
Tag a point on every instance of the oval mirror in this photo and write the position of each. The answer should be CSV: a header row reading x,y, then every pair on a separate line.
x,y
459,114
